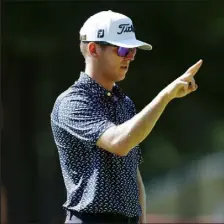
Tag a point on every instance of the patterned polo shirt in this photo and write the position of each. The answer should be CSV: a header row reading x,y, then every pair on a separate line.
x,y
97,181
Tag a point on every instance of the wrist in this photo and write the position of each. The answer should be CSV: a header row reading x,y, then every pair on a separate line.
x,y
164,96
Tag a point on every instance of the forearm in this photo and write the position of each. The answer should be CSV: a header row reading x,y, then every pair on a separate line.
x,y
142,198
135,130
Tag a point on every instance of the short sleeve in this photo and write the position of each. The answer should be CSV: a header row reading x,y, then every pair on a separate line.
x,y
83,119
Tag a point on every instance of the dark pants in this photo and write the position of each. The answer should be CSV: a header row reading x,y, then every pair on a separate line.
x,y
85,218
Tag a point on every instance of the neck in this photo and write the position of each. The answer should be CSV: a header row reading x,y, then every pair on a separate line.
x,y
99,76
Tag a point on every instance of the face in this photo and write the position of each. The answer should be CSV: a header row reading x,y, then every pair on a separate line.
x,y
113,66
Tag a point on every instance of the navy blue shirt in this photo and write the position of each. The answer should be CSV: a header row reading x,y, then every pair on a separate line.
x,y
96,180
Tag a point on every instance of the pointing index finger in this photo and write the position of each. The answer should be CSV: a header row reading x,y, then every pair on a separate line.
x,y
193,69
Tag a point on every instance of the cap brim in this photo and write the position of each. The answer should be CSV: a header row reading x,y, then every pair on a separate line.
x,y
132,43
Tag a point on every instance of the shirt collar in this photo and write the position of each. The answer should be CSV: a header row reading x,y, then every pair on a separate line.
x,y
98,89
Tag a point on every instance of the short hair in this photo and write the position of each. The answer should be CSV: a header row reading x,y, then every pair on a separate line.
x,y
84,48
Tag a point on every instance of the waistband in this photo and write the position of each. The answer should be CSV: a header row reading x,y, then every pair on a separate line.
x,y
101,217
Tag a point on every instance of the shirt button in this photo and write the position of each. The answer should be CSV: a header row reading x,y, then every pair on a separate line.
x,y
108,94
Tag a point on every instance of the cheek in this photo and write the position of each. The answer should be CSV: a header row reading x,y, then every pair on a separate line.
x,y
113,63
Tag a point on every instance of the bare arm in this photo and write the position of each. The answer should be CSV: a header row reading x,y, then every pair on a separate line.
x,y
142,197
122,138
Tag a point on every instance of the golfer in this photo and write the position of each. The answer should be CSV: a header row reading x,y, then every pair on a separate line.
x,y
96,128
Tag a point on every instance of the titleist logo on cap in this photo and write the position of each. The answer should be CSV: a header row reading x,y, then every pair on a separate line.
x,y
126,28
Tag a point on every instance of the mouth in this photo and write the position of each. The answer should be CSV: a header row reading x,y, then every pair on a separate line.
x,y
125,67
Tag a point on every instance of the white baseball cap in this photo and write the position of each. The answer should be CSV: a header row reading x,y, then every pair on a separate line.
x,y
113,28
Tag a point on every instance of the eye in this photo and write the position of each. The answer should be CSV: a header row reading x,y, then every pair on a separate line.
x,y
133,50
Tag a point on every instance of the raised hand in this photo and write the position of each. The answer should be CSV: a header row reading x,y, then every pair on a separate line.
x,y
185,84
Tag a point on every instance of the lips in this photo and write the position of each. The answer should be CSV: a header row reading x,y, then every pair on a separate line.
x,y
124,66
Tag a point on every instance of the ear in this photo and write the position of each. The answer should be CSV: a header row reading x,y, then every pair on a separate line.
x,y
92,49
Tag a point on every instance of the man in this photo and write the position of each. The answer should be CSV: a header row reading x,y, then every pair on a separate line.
x,y
96,128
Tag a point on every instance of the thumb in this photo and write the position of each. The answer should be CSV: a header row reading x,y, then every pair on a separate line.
x,y
183,85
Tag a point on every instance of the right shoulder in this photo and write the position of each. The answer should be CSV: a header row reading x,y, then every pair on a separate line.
x,y
73,94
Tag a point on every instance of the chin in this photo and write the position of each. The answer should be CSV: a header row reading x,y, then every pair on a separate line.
x,y
121,77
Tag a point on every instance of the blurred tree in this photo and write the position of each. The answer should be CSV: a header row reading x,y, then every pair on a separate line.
x,y
41,59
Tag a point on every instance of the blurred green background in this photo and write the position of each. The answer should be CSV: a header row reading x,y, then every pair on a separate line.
x,y
183,167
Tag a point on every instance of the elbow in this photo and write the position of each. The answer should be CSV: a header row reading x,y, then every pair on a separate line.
x,y
121,154
120,149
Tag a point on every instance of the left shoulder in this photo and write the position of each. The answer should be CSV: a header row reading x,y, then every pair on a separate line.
x,y
129,102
